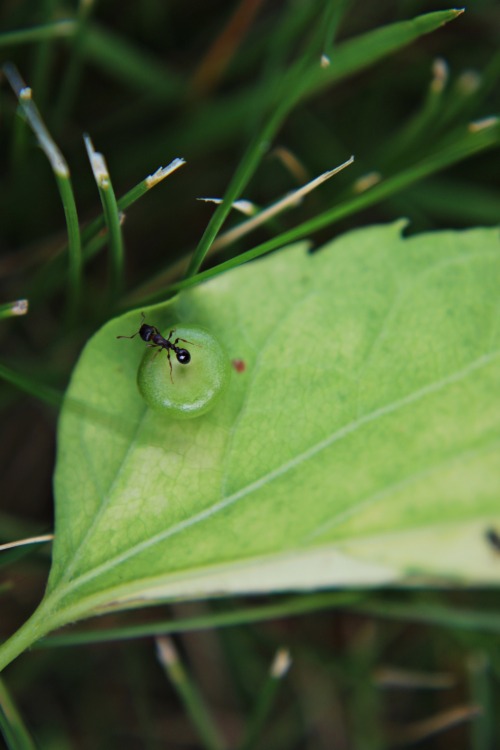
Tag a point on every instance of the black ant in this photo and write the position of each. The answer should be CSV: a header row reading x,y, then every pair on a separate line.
x,y
151,333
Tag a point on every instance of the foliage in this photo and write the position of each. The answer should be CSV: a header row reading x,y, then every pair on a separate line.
x,y
375,355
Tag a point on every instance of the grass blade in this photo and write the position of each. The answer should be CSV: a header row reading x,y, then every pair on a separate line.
x,y
284,607
11,309
12,726
265,700
111,214
188,693
302,83
56,30
63,179
135,67
468,144
70,83
30,385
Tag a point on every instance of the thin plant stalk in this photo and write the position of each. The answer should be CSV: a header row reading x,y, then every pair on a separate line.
x,y
41,539
30,385
302,81
56,30
241,177
111,216
285,607
63,179
94,236
189,695
94,227
43,56
289,201
12,726
475,141
265,700
13,309
71,80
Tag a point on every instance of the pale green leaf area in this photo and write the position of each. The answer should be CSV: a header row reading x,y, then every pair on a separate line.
x,y
360,446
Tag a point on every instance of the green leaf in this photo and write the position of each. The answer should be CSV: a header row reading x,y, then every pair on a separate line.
x,y
359,446
360,436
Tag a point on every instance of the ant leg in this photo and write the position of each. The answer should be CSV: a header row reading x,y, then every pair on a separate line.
x,y
158,350
185,341
137,332
128,337
170,365
179,339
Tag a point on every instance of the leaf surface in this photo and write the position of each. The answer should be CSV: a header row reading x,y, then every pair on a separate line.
x,y
359,446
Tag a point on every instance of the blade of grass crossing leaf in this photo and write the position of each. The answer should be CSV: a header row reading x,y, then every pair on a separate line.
x,y
468,145
286,94
63,179
300,83
289,201
431,614
242,176
12,726
285,607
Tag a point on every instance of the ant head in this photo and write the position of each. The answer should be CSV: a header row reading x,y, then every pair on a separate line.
x,y
183,356
146,332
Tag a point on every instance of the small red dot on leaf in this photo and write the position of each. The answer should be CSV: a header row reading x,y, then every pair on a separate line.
x,y
239,365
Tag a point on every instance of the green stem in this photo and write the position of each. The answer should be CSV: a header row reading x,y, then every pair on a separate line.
x,y
292,88
33,629
189,695
449,154
43,57
287,607
111,216
37,33
265,701
12,726
70,83
74,243
93,238
61,173
31,385
12,309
